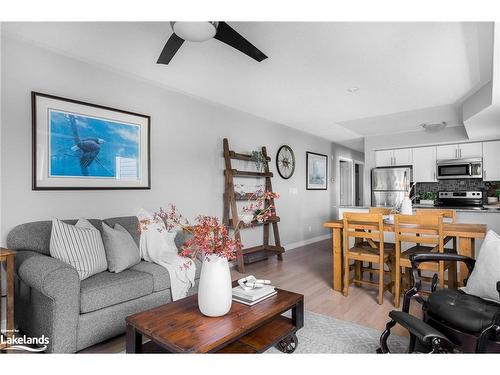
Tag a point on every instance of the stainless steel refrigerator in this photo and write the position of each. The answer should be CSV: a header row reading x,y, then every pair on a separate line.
x,y
388,185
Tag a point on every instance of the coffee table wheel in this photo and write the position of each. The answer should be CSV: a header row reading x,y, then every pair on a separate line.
x,y
288,344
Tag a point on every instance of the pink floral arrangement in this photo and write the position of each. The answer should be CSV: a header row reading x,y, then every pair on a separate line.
x,y
210,237
262,209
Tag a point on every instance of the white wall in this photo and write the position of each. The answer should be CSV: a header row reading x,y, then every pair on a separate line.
x,y
345,153
186,155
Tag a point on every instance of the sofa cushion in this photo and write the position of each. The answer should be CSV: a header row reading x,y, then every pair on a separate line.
x,y
78,245
130,223
161,278
107,289
121,250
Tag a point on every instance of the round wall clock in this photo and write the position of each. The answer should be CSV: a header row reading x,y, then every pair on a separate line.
x,y
285,162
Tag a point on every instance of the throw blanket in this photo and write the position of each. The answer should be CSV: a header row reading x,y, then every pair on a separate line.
x,y
157,245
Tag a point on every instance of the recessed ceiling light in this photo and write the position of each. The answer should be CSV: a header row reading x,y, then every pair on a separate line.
x,y
353,89
434,126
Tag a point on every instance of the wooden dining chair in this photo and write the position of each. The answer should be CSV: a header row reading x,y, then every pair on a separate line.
x,y
426,232
388,245
444,212
367,231
381,210
451,215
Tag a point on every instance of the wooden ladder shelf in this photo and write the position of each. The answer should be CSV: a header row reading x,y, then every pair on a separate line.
x,y
231,216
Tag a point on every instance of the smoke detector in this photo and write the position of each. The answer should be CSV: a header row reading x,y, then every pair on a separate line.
x,y
434,126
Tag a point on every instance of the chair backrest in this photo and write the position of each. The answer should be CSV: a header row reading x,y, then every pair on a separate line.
x,y
364,226
446,213
381,210
421,229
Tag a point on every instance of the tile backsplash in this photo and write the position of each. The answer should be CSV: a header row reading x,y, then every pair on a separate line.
x,y
457,185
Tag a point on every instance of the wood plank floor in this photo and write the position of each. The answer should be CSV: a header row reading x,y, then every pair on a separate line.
x,y
307,270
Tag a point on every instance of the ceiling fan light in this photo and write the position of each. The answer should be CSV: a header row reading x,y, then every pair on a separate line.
x,y
434,126
195,31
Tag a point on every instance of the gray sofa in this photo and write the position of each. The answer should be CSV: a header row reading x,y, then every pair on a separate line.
x,y
51,300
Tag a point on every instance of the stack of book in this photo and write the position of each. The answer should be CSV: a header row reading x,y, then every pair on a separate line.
x,y
253,296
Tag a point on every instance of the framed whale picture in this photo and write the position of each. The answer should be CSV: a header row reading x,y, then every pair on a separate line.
x,y
316,171
83,146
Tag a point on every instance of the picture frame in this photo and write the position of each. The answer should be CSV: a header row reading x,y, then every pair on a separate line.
x,y
78,145
316,171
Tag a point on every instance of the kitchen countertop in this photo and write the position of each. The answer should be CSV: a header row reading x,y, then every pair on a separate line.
x,y
461,209
458,209
360,207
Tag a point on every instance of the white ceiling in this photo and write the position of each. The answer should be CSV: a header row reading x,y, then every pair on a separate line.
x,y
421,69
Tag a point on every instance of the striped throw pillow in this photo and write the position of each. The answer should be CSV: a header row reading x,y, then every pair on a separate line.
x,y
78,245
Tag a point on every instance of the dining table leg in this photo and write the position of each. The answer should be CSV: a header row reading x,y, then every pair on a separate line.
x,y
337,259
467,248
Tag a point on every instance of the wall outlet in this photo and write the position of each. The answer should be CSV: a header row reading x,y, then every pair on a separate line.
x,y
309,228
293,191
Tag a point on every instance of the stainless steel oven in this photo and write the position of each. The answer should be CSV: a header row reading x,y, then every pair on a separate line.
x,y
460,168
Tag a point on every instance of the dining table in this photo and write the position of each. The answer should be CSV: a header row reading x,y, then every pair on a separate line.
x,y
465,233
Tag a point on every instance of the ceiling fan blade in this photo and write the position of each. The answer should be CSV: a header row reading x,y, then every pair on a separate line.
x,y
171,47
226,34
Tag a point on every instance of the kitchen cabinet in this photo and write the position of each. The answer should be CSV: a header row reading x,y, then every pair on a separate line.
x,y
460,151
424,164
491,161
383,158
387,158
403,156
447,152
470,150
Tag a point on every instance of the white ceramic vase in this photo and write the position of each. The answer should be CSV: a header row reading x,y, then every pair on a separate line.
x,y
215,289
406,206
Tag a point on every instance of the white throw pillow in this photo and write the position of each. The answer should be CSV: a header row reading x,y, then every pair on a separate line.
x,y
483,279
78,245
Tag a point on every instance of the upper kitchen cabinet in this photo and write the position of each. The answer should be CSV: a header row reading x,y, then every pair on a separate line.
x,y
460,151
403,156
387,158
470,150
491,161
383,158
424,164
447,152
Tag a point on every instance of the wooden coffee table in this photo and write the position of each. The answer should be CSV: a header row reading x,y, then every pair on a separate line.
x,y
180,327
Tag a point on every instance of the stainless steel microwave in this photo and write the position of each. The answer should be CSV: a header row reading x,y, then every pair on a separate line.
x,y
459,168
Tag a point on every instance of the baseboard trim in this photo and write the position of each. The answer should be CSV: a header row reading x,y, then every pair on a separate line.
x,y
295,245
309,241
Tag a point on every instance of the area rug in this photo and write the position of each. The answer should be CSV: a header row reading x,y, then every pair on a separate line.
x,y
324,334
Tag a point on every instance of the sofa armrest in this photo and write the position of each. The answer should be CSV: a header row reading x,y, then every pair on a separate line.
x,y
22,256
48,275
48,300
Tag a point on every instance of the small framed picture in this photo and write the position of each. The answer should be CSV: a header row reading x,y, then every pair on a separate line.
x,y
83,146
316,171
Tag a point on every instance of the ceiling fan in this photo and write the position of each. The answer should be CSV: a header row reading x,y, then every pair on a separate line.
x,y
202,31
